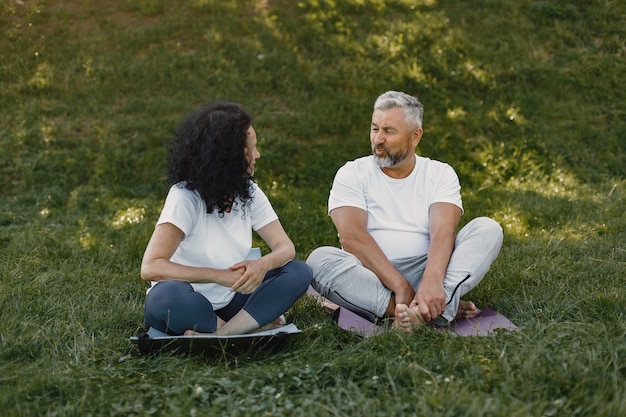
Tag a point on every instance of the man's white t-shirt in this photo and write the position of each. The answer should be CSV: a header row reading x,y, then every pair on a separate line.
x,y
213,240
397,209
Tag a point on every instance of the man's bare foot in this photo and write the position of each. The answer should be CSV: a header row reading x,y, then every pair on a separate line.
x,y
467,310
407,318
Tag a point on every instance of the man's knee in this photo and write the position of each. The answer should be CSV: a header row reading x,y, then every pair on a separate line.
x,y
326,263
493,229
318,257
487,227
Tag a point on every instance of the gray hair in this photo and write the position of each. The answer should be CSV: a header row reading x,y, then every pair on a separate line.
x,y
413,109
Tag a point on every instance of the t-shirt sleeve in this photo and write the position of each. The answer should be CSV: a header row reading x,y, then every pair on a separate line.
x,y
448,189
179,209
262,211
347,190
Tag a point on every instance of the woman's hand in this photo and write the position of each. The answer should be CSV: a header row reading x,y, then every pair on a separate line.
x,y
253,273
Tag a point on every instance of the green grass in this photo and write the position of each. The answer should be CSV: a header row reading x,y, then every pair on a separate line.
x,y
524,98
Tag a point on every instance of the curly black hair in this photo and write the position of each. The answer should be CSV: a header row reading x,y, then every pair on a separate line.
x,y
207,155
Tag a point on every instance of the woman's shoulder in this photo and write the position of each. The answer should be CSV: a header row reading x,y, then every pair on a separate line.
x,y
180,191
257,193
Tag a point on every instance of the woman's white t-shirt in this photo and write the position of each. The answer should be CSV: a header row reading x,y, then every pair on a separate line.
x,y
397,209
213,240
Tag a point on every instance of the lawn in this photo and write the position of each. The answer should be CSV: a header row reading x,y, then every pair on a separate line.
x,y
525,99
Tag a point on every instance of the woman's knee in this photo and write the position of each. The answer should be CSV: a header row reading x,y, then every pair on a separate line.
x,y
168,290
300,271
174,306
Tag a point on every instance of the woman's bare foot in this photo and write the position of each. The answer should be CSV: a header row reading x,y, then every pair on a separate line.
x,y
279,322
467,310
220,323
194,333
407,318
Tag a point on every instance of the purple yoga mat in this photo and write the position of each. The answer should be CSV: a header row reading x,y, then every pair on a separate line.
x,y
486,322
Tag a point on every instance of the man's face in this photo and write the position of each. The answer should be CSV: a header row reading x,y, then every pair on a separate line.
x,y
392,139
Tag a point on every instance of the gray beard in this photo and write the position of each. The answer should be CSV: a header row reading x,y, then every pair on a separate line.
x,y
389,160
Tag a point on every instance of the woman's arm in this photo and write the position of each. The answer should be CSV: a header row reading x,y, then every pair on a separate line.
x,y
156,264
282,251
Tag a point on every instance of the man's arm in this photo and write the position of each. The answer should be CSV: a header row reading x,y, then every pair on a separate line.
x,y
431,296
351,223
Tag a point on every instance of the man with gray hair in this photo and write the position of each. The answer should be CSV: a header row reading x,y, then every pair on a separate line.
x,y
396,214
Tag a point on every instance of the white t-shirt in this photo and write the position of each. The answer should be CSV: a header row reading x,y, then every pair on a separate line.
x,y
212,240
397,209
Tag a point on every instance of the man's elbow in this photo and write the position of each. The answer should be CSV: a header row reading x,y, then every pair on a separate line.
x,y
349,243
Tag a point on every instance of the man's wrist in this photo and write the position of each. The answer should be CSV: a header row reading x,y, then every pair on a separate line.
x,y
433,277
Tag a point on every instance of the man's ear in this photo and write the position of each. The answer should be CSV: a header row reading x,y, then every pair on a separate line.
x,y
417,136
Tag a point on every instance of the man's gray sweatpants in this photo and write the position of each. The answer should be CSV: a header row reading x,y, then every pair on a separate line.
x,y
341,277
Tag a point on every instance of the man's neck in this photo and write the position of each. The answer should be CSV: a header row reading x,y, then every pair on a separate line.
x,y
402,169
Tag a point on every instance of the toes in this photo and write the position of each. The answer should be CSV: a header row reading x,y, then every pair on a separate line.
x,y
407,319
467,310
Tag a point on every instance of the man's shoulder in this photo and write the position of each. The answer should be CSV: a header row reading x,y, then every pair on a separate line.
x,y
359,164
432,164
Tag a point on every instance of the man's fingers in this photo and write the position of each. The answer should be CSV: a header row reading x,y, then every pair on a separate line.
x,y
431,311
424,311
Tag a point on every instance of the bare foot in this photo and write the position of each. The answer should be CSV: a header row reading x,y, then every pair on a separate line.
x,y
220,323
467,310
194,333
407,318
279,322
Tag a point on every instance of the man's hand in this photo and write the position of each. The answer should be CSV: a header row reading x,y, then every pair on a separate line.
x,y
431,296
431,299
405,294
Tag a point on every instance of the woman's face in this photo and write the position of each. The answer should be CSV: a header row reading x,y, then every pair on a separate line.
x,y
250,151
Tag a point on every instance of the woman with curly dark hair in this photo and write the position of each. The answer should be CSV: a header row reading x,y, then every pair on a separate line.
x,y
203,280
